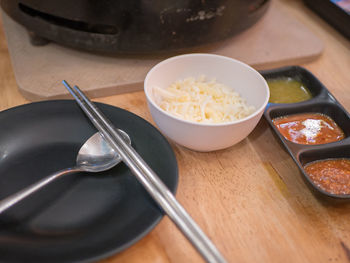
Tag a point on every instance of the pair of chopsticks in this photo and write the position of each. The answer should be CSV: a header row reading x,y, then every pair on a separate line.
x,y
148,178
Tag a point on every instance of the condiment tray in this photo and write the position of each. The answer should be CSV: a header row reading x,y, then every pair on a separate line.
x,y
323,102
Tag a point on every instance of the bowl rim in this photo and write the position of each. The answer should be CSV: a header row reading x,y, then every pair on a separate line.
x,y
258,111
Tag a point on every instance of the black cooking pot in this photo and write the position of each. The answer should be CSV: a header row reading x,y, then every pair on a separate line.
x,y
135,26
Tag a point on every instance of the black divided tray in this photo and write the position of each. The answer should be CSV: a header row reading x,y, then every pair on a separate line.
x,y
322,102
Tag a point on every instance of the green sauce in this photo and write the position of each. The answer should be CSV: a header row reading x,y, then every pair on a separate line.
x,y
287,90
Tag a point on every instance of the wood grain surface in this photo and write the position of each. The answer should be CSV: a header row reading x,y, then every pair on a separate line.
x,y
250,199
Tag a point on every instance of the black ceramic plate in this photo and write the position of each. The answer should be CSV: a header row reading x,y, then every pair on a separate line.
x,y
82,217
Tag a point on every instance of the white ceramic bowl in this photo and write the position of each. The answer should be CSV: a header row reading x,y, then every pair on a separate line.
x,y
230,72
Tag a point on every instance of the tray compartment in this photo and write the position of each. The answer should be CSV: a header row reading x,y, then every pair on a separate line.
x,y
332,110
319,154
302,75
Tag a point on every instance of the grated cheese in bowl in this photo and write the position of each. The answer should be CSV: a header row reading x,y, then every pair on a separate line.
x,y
202,101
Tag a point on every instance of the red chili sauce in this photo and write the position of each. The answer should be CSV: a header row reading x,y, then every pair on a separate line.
x,y
331,175
309,128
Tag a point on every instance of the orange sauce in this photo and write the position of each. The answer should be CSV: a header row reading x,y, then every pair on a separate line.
x,y
331,175
309,128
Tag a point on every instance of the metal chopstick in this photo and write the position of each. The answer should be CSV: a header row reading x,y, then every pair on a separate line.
x,y
147,177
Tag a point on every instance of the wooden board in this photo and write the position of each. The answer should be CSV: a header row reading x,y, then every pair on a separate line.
x,y
249,199
276,40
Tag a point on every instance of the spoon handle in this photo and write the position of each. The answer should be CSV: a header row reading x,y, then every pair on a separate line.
x,y
20,195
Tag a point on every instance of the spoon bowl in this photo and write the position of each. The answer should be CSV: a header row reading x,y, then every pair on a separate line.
x,y
97,156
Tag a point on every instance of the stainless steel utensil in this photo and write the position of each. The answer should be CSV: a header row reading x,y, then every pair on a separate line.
x,y
148,178
94,156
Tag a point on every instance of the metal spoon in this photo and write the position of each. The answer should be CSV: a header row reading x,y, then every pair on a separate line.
x,y
94,156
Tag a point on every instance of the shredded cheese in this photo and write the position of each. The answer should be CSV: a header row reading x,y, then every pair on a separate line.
x,y
202,101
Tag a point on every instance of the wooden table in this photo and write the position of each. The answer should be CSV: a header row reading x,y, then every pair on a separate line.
x,y
250,199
